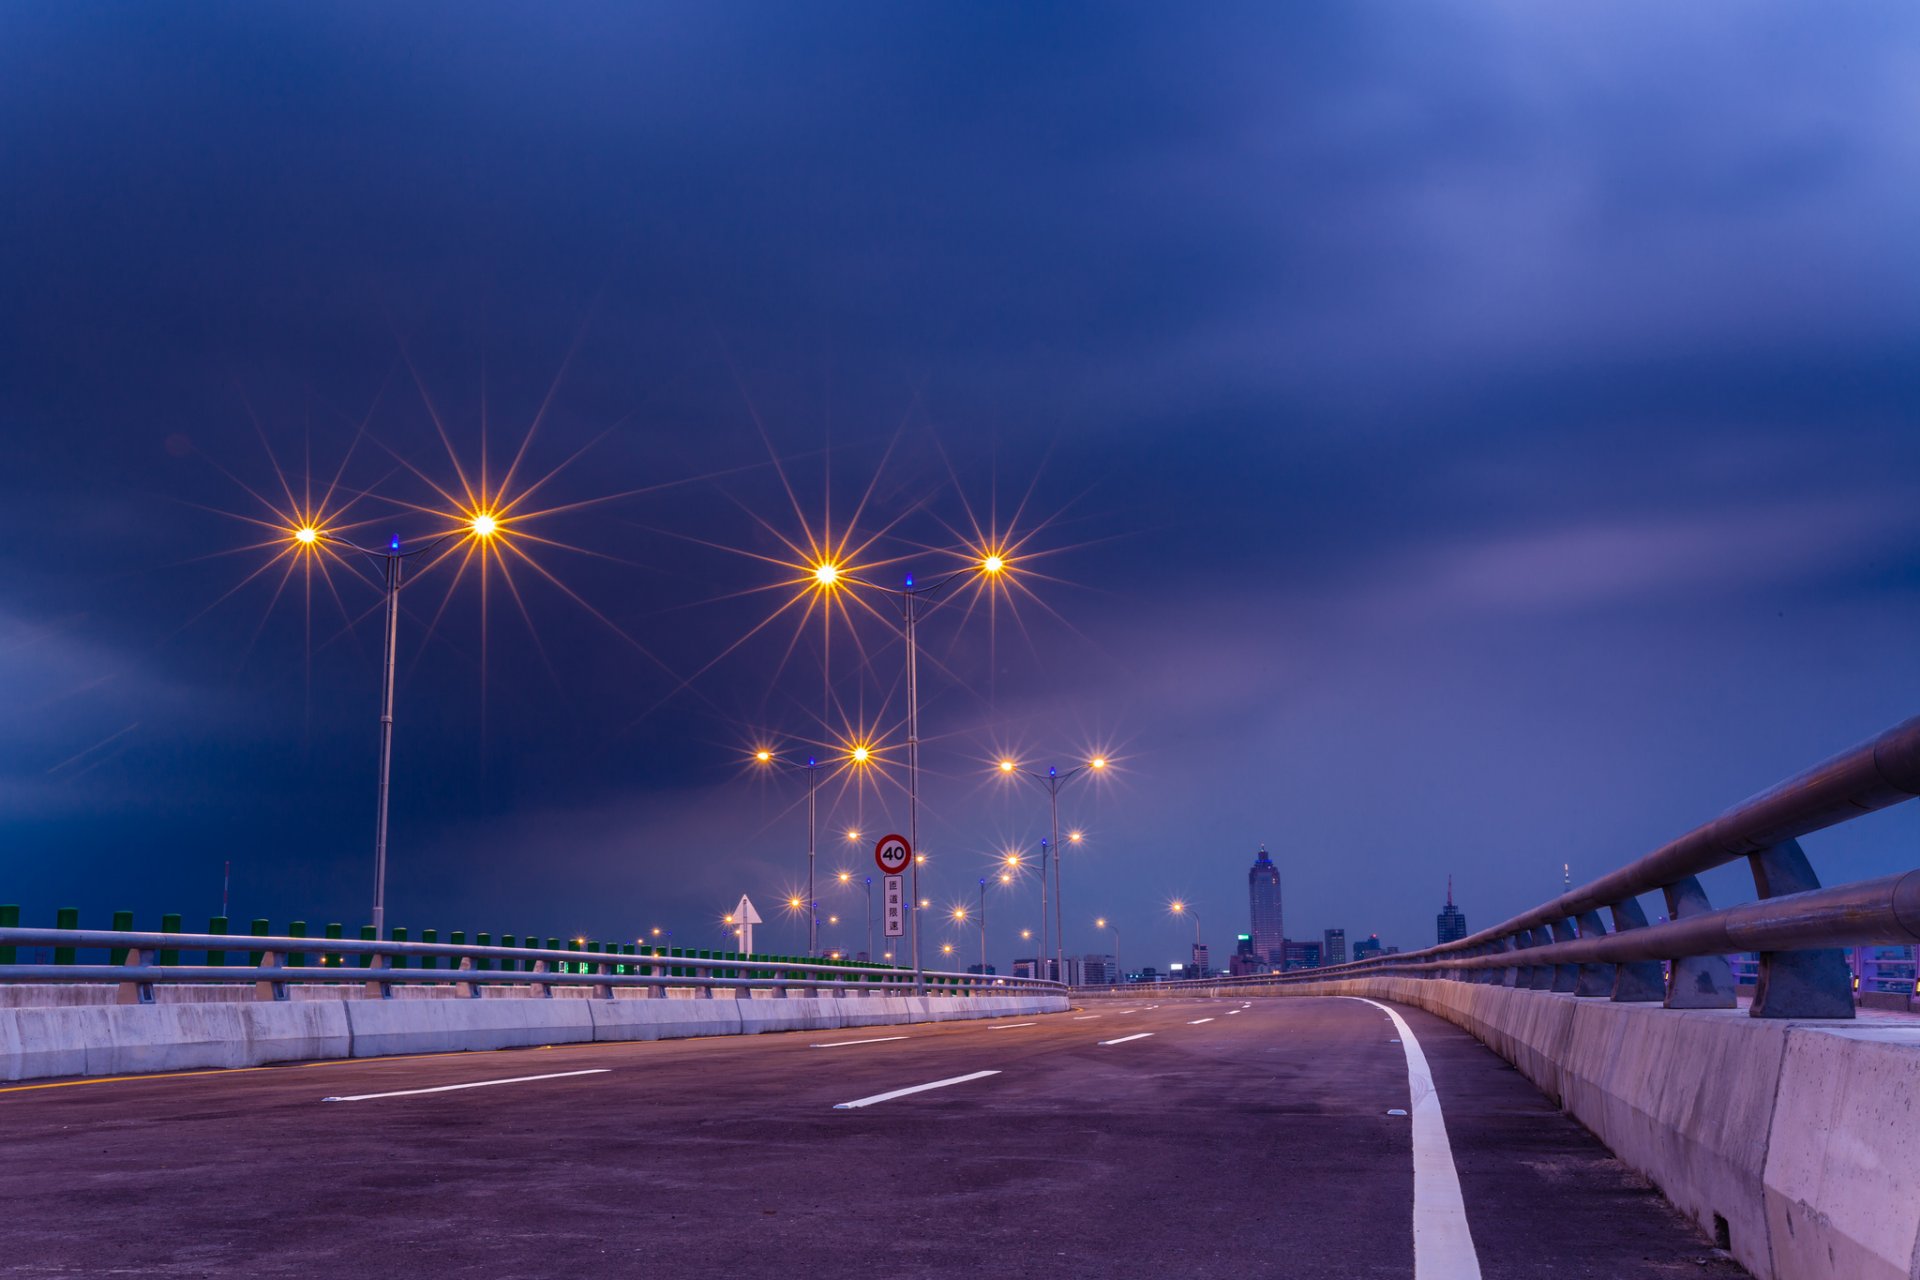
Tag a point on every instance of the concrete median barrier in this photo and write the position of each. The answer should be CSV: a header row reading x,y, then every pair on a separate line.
x,y
89,1039
1798,1143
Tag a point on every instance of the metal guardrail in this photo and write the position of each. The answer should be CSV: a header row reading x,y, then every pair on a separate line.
x,y
1798,927
137,962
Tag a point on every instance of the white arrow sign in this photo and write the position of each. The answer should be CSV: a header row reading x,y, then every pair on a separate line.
x,y
744,918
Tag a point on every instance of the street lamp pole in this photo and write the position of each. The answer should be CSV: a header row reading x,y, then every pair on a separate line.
x,y
869,919
813,900
1119,971
1053,780
313,539
983,926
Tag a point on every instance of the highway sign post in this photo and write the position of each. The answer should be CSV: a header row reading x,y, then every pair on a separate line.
x,y
894,855
744,918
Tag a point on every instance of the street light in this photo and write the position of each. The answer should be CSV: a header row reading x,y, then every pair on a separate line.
x,y
1053,780
828,575
311,539
1119,973
1179,908
858,754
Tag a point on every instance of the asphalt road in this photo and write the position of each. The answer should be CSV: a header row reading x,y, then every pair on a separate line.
x,y
1177,1139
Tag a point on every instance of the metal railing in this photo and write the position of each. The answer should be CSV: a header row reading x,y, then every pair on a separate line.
x,y
137,962
1798,928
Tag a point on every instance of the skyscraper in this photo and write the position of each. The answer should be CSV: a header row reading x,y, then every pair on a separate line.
x,y
1335,950
1263,890
1452,921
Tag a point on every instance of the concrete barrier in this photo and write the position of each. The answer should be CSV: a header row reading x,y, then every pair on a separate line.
x,y
382,1027
45,1042
1798,1143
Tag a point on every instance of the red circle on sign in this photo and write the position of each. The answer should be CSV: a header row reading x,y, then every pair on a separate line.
x,y
893,853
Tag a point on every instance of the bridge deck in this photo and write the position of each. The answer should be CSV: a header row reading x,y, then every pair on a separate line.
x,y
1257,1143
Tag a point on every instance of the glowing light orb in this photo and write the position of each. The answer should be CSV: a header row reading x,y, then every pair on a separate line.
x,y
484,525
307,534
993,564
1006,766
860,755
763,756
826,573
1099,762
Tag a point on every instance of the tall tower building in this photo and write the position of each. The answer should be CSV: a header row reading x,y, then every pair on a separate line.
x,y
1335,947
1263,890
1452,921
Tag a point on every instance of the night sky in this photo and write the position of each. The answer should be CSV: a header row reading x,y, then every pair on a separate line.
x,y
1438,440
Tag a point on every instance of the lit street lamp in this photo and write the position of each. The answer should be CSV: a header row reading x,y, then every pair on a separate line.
x,y
1053,780
1179,908
858,754
829,576
309,538
1119,974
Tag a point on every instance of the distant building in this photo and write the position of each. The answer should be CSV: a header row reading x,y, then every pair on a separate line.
x,y
1367,947
1243,961
1263,893
1452,921
1199,968
1148,974
1333,948
986,970
1028,968
1303,955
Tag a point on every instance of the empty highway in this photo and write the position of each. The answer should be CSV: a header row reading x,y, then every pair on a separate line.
x,y
1280,1137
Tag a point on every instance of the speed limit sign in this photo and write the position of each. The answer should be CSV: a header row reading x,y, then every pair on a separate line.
x,y
893,853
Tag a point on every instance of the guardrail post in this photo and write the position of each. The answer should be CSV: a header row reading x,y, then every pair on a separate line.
x,y
1816,983
169,923
429,962
366,958
9,919
217,959
336,960
133,990
1542,973
1519,974
267,988
1595,979
466,990
122,923
483,940
1696,982
377,988
297,929
1637,980
260,929
1566,977
705,992
543,990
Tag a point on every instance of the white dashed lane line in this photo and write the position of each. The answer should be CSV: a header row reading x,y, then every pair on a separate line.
x,y
1138,1035
1197,1021
1008,1026
918,1088
475,1084
841,1044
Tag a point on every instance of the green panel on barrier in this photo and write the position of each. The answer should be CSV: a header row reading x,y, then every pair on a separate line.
x,y
122,923
297,959
553,944
333,931
217,925
260,929
9,919
398,935
483,940
511,966
366,935
429,962
65,918
170,923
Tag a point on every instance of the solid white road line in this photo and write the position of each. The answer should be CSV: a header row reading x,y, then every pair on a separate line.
x,y
841,1044
477,1084
918,1088
1197,1021
1008,1026
1442,1243
1138,1035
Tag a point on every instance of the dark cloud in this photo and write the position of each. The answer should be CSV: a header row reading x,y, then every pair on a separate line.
x,y
1477,441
